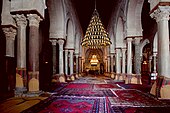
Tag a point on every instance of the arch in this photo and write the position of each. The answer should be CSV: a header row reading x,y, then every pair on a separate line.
x,y
144,43
70,35
134,26
56,15
77,43
112,46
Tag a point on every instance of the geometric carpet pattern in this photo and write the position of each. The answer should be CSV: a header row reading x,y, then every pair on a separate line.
x,y
97,95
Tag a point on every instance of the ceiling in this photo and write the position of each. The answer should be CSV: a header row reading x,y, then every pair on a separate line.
x,y
85,9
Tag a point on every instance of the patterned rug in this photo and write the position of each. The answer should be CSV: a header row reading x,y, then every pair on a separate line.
x,y
134,98
59,104
87,93
123,109
106,86
80,86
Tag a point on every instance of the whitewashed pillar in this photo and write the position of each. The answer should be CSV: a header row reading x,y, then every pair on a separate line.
x,y
61,60
161,14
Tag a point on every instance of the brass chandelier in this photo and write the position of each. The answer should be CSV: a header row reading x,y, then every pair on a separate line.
x,y
96,36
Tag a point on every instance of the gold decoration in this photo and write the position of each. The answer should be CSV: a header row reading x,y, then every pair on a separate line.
x,y
96,36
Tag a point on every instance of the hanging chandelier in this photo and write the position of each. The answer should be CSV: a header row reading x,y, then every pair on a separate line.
x,y
96,36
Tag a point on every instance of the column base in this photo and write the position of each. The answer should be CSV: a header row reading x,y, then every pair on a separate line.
x,y
20,91
33,93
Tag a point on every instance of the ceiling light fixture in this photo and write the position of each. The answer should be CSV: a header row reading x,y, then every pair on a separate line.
x,y
96,36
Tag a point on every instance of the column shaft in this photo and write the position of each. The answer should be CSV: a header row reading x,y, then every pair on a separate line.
x,y
71,61
21,77
33,69
61,62
66,62
123,60
118,62
129,55
137,56
162,16
77,64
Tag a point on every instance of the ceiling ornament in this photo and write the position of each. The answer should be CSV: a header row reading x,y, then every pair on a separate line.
x,y
96,36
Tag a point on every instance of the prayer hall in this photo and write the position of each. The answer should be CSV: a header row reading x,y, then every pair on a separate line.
x,y
84,56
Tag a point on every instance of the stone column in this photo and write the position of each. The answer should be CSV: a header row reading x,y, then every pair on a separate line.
x,y
112,62
80,68
71,61
129,55
66,62
108,63
10,34
154,62
21,77
82,64
33,69
54,42
150,63
61,63
137,57
118,61
123,59
77,64
161,14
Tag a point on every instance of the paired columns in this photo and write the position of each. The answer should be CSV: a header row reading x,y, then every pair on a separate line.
x,y
161,14
33,70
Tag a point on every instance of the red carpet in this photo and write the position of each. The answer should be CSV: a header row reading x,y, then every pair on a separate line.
x,y
62,104
99,97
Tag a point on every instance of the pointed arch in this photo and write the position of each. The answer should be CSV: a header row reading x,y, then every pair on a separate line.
x,y
134,26
56,15
70,35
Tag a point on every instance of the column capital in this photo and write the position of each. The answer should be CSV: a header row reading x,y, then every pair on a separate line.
x,y
10,33
53,41
161,13
20,20
137,40
60,42
124,50
34,19
129,39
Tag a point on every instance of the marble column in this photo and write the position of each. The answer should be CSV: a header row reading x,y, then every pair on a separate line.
x,y
61,60
129,55
10,34
108,63
71,61
123,59
54,42
77,64
150,63
80,68
33,69
66,62
21,76
112,62
161,14
154,62
82,64
137,57
118,61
